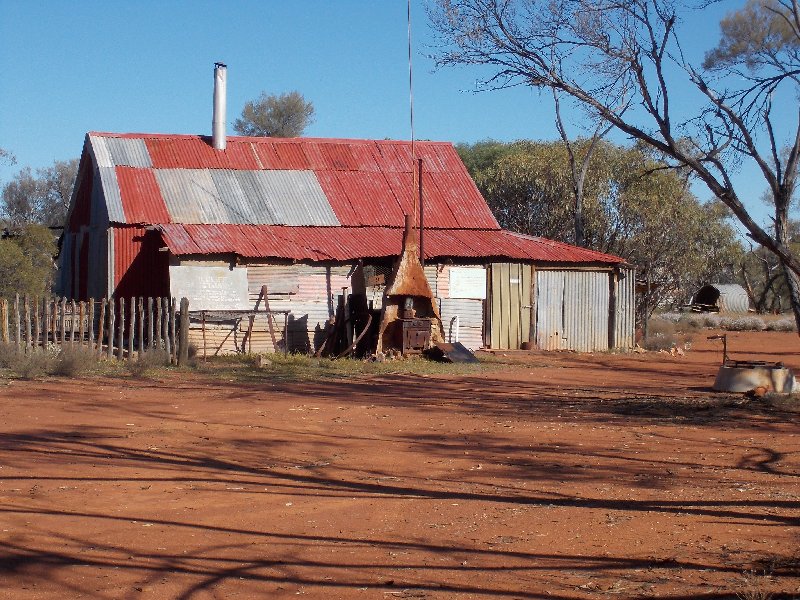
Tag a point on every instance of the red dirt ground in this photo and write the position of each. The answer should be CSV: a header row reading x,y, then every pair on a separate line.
x,y
558,476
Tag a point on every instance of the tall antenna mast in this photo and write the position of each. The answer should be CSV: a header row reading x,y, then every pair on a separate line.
x,y
414,182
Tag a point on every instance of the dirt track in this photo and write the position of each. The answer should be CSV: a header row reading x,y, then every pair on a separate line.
x,y
560,476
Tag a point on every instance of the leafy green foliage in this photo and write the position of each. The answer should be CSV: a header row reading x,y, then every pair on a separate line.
x,y
26,261
633,207
286,115
755,36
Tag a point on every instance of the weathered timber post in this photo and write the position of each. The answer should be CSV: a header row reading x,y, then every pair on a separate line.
x,y
37,329
150,341
100,327
4,319
158,324
131,327
18,322
111,321
140,312
74,310
121,330
81,328
172,333
91,324
62,323
28,340
46,321
183,344
165,327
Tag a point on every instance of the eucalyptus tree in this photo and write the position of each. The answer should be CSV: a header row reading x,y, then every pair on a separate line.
x,y
285,115
632,207
622,60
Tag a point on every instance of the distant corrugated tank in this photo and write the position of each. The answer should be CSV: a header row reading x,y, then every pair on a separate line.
x,y
727,298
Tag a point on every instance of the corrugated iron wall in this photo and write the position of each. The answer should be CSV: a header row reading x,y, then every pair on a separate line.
x,y
470,321
140,269
625,322
308,291
572,310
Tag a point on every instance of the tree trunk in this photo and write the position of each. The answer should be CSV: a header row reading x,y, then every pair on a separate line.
x,y
792,278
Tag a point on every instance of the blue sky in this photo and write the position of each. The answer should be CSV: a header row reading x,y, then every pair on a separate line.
x,y
146,66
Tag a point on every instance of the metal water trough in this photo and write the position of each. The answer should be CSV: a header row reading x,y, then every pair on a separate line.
x,y
747,375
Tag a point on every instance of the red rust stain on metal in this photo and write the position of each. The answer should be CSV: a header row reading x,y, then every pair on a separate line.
x,y
141,196
349,243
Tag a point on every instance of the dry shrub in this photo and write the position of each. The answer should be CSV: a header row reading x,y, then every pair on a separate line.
x,y
147,362
74,361
781,325
743,324
32,364
8,353
663,335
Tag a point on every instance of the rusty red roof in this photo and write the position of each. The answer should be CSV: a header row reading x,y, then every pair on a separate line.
x,y
348,243
304,199
325,182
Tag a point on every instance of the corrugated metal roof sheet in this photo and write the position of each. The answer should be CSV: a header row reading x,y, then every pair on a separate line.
x,y
349,243
332,181
304,198
140,196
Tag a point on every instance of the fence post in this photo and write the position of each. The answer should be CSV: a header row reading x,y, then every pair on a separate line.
x,y
4,319
158,323
183,345
100,327
18,322
111,322
131,327
140,322
91,324
46,322
72,308
150,341
81,328
172,333
165,326
28,340
121,330
37,330
62,323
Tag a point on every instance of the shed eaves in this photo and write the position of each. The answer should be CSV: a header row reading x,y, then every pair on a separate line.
x,y
351,243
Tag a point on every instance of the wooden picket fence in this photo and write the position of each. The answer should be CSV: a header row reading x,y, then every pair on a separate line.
x,y
116,328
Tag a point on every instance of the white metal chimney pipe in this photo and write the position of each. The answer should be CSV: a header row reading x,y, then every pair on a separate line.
x,y
218,133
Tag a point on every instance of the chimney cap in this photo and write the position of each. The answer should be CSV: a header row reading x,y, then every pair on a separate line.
x,y
220,64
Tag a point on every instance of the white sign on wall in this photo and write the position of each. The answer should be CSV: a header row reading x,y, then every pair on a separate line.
x,y
209,287
468,282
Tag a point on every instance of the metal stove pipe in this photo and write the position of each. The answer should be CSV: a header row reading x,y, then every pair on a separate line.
x,y
218,134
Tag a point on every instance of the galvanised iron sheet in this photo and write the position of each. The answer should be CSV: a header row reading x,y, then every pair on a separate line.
x,y
349,243
362,182
128,152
